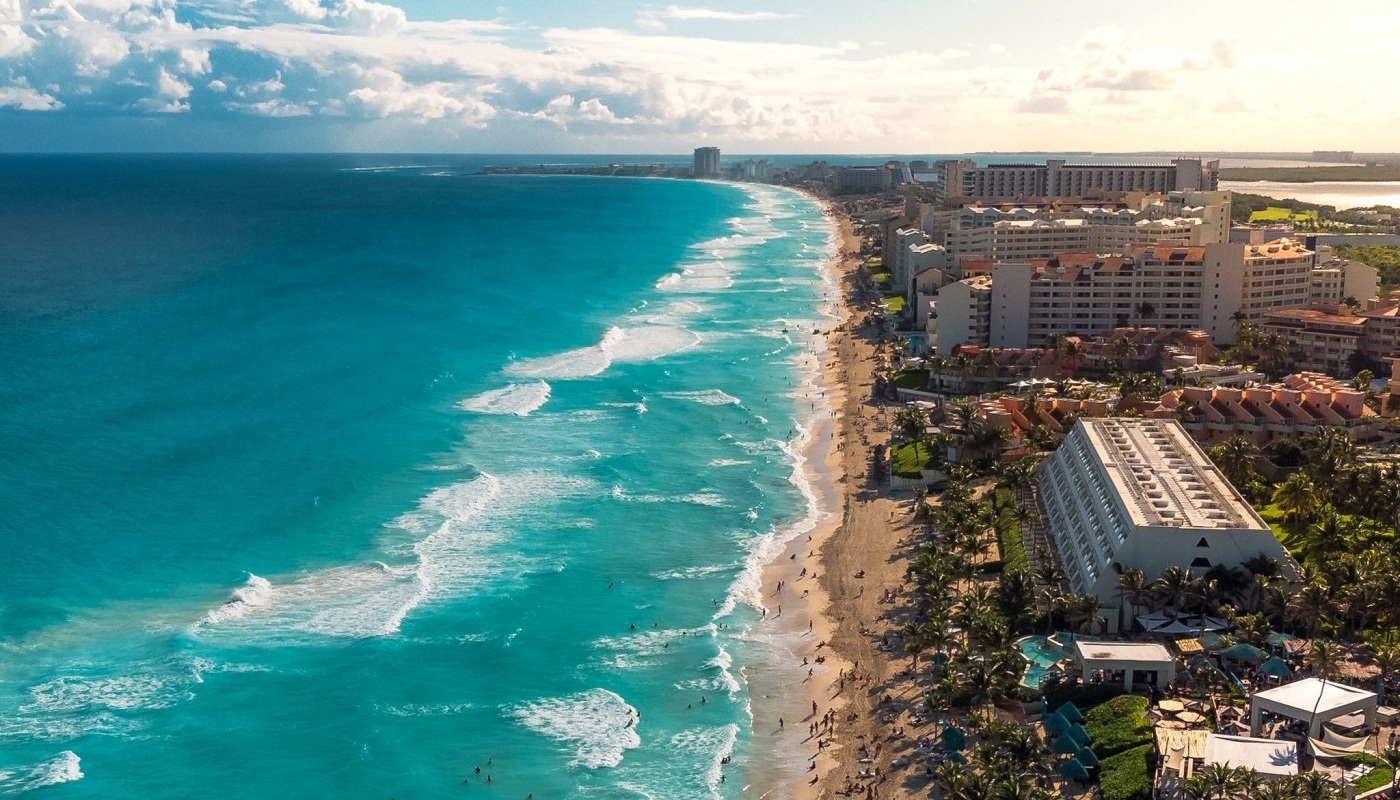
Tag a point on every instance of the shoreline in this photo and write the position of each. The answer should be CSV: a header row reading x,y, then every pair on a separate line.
x,y
799,624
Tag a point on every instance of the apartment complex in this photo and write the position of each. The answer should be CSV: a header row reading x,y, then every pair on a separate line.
x,y
1339,280
1302,403
706,162
1170,286
961,180
1326,338
1139,493
964,314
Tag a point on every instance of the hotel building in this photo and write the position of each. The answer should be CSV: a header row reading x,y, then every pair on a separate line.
x,y
1139,493
963,180
706,162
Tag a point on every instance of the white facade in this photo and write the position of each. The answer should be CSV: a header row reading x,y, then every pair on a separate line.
x,y
1055,178
1252,279
963,314
1335,281
1141,493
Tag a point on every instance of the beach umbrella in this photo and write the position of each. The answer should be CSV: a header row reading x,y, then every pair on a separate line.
x,y
1171,706
1244,652
1190,717
1070,711
1086,757
1276,668
1280,640
1076,732
1074,770
1054,722
1066,745
1209,641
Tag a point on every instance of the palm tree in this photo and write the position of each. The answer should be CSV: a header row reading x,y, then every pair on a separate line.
x,y
1235,457
1296,497
1132,586
1311,607
1172,587
1316,786
1122,352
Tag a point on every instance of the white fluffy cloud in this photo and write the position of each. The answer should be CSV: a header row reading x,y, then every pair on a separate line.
x,y
654,83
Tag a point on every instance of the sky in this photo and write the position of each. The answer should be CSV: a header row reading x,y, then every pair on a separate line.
x,y
575,76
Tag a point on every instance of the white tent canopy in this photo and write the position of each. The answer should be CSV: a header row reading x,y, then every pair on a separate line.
x,y
1268,757
1311,700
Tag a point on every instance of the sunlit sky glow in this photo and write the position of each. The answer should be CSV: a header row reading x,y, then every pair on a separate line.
x,y
828,76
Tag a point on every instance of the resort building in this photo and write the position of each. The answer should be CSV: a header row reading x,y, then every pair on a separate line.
x,y
1342,280
1133,663
1055,178
1300,404
1328,338
962,314
706,162
1122,493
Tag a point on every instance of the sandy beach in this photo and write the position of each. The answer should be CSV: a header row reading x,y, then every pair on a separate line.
x,y
832,582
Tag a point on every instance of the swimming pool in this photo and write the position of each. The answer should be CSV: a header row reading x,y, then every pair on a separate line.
x,y
1041,653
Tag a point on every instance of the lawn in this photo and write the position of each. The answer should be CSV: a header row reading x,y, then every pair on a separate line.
x,y
894,303
1126,776
1118,724
916,379
1276,214
910,459
1382,775
881,277
1013,550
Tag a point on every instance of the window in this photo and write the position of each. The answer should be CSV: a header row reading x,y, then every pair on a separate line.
x,y
1203,542
1200,562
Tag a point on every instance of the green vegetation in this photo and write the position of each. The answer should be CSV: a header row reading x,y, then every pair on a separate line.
x,y
881,277
1385,258
1127,775
916,379
1118,724
1381,775
1276,214
911,458
1358,172
894,303
1008,527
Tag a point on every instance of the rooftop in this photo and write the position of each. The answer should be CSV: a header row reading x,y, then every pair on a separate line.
x,y
1122,651
1264,756
1313,695
1164,478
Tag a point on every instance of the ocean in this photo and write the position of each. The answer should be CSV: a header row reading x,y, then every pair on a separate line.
x,y
343,476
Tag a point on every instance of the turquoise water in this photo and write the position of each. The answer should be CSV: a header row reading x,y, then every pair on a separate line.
x,y
333,476
1041,654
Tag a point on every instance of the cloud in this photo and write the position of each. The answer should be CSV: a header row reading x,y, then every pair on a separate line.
x,y
656,20
27,99
1045,104
388,94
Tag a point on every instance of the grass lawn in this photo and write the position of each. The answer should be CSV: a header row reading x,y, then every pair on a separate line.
x,y
1013,550
916,379
1276,214
1382,775
894,304
881,277
910,459
1118,724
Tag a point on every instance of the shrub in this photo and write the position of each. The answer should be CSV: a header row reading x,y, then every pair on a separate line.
x,y
1118,724
1128,775
1058,691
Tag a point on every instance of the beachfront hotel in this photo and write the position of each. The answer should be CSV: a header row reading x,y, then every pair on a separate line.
x,y
1172,286
960,180
706,162
1121,493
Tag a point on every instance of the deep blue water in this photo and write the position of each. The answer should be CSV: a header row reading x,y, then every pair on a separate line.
x,y
336,476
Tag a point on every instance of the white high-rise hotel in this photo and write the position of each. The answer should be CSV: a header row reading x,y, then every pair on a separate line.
x,y
1140,493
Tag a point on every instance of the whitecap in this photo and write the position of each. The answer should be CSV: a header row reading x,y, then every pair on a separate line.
x,y
248,597
618,345
707,397
518,399
62,768
598,725
729,462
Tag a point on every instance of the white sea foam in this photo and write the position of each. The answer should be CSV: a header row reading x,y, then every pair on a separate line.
x,y
711,499
62,768
618,345
445,553
722,662
707,397
438,710
729,462
640,408
712,744
691,572
594,724
248,597
518,399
